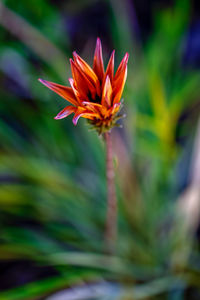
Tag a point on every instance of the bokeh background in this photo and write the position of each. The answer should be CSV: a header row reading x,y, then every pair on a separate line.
x,y
52,174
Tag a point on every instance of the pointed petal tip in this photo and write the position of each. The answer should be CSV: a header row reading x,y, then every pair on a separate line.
x,y
126,57
41,80
75,121
74,54
71,62
76,117
59,116
98,40
68,110
107,78
45,82
98,44
71,81
112,56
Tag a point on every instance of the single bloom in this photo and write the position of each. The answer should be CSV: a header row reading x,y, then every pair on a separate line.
x,y
94,93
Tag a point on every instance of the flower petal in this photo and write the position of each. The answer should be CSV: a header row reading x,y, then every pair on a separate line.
x,y
63,91
87,70
84,113
107,93
79,97
68,110
113,110
94,107
98,66
118,86
83,84
79,81
110,67
122,66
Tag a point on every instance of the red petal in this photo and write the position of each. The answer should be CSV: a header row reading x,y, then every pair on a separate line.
x,y
63,91
118,86
94,107
107,93
110,67
79,97
68,110
83,84
79,80
122,66
88,72
113,110
98,66
92,103
84,113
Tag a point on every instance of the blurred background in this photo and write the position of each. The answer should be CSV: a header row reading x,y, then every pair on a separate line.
x,y
52,174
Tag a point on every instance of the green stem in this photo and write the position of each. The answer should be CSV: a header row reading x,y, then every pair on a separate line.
x,y
111,218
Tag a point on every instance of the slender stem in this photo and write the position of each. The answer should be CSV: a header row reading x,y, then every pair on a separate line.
x,y
111,219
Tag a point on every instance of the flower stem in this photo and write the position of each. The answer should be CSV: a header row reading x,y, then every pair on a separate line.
x,y
111,218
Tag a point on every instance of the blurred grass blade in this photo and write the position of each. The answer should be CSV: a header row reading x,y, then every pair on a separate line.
x,y
34,39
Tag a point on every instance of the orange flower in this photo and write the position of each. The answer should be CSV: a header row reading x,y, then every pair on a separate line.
x,y
95,94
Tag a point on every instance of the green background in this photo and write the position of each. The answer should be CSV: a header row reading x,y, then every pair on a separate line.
x,y
52,174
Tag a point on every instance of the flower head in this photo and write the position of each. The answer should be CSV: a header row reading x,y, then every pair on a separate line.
x,y
94,94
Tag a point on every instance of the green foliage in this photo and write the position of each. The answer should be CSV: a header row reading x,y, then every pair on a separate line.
x,y
53,187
